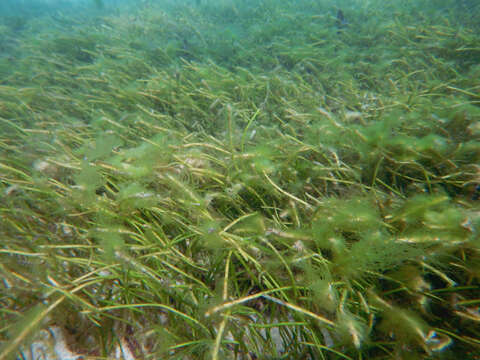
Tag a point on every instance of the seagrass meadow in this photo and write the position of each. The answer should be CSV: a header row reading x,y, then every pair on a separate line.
x,y
251,179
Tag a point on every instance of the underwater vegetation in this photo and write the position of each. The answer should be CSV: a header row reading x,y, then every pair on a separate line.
x,y
242,180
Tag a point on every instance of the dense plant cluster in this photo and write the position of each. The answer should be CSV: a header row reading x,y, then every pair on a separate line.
x,y
243,180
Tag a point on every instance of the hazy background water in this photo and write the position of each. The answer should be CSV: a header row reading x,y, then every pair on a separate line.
x,y
22,7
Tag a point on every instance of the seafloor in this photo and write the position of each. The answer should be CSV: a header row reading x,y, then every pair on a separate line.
x,y
252,179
